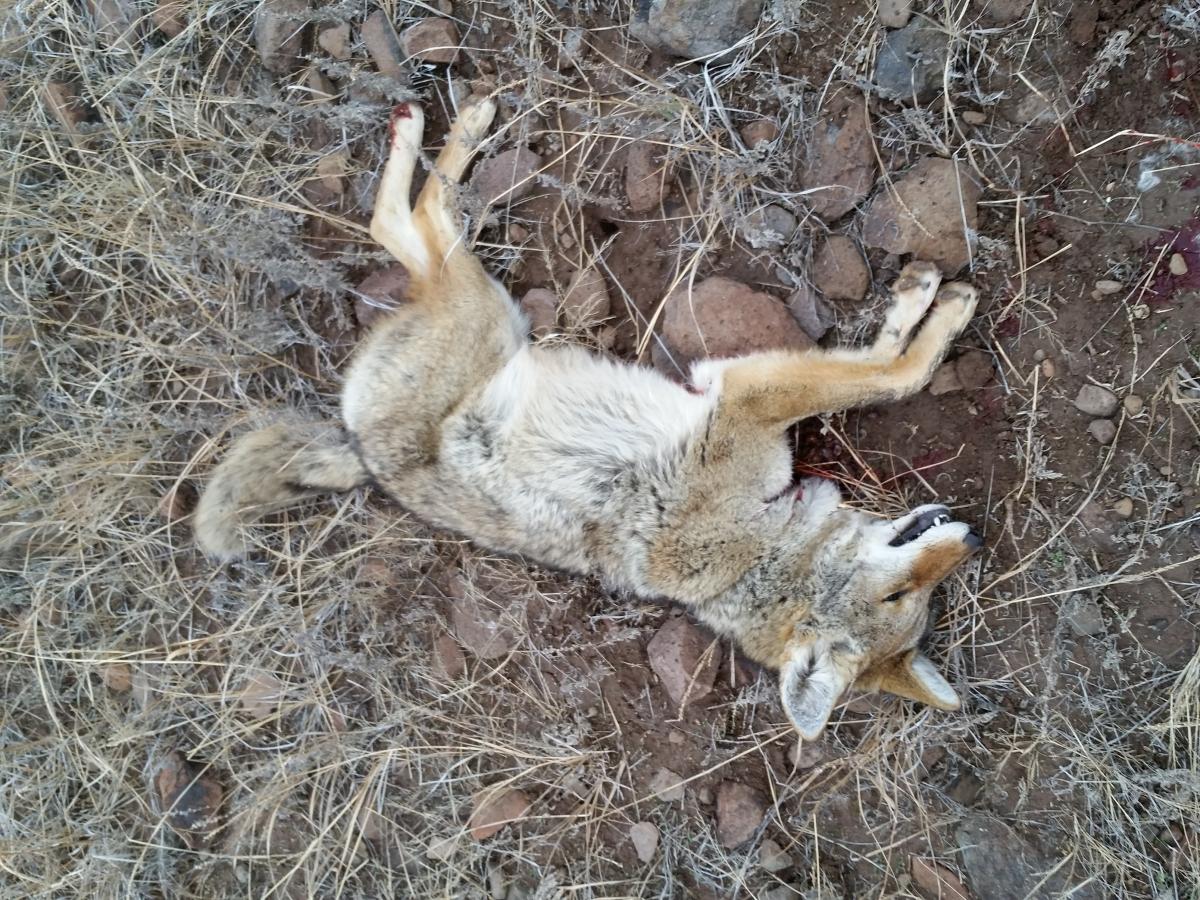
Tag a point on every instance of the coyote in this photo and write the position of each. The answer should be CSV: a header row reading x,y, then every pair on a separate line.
x,y
597,467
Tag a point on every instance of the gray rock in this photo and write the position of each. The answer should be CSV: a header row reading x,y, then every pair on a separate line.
x,y
335,40
740,810
506,177
945,380
1103,431
772,857
996,859
768,227
1094,400
644,836
541,308
379,37
667,785
813,313
1082,615
931,212
839,270
279,33
431,40
840,167
675,653
910,63
692,28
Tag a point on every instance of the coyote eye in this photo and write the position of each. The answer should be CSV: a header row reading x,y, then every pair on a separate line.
x,y
892,598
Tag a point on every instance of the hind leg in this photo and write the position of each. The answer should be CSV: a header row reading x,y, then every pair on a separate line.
x,y
436,203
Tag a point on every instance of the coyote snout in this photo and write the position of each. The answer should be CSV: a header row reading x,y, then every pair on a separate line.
x,y
591,466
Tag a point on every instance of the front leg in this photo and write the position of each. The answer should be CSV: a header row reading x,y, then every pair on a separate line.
x,y
779,388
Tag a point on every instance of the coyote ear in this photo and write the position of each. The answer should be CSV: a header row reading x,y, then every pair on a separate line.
x,y
913,676
811,685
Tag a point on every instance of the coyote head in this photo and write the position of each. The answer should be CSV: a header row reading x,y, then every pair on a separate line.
x,y
845,602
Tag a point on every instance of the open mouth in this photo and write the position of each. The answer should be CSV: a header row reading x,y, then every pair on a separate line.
x,y
921,523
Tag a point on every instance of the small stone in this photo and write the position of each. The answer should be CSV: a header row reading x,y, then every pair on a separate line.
x,y
645,178
645,840
117,677
506,177
667,785
760,131
1082,21
910,63
1049,369
1103,431
1096,401
768,227
261,695
476,625
692,28
335,40
370,824
974,117
930,212
279,34
840,168
806,755
379,37
936,880
740,810
813,313
839,270
1005,12
974,369
994,856
189,798
586,300
1083,615
1177,264
517,233
1108,286
675,654
170,17
380,293
1133,404
945,380
541,308
495,811
63,102
772,857
432,40
448,660
330,182
113,22
1035,108
676,737
442,848
1123,507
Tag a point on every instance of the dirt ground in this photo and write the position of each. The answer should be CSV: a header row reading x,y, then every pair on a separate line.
x,y
184,241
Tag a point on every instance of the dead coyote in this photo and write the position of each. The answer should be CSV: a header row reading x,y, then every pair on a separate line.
x,y
593,466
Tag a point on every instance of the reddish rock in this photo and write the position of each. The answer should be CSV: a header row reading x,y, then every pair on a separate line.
x,y
840,168
675,654
170,17
974,369
495,811
431,40
760,131
541,308
335,40
694,27
379,293
189,800
645,177
379,37
478,627
279,34
740,810
720,317
936,881
587,299
506,177
929,212
448,659
839,270
813,313
117,677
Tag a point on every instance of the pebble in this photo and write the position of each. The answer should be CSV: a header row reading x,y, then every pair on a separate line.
x,y
720,317
335,40
667,785
974,117
1177,265
170,17
910,63
936,880
1123,507
1096,401
1005,12
974,369
689,29
895,13
813,313
807,754
65,105
740,810
117,677
587,299
442,848
840,168
1134,404
675,652
491,813
1108,286
506,177
477,627
1049,369
541,308
768,227
431,40
379,37
279,34
760,131
839,270
931,213
645,180
645,840
772,857
1103,431
945,380
676,737
448,659
1083,615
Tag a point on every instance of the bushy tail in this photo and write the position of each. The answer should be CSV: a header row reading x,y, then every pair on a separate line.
x,y
267,470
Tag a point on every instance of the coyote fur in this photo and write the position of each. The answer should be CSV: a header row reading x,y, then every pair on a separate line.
x,y
597,467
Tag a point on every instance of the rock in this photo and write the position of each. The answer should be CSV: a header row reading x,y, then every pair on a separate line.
x,y
1177,265
935,880
1094,400
720,317
541,308
930,213
260,695
760,131
170,17
189,799
693,28
645,179
1082,615
1123,507
431,40
506,177
442,848
996,858
63,102
894,13
586,299
330,182
323,90
494,811
839,270
909,66
1005,12
279,33
335,40
448,660
806,754
379,37
113,22
1133,404
1103,431
813,313
1108,286
772,857
675,653
1049,369
476,625
1082,21
974,369
645,840
740,810
945,380
840,167
370,824
768,227
117,677
974,117
667,785
380,293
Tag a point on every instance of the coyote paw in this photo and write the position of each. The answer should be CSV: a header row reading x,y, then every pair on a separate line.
x,y
475,117
406,125
955,302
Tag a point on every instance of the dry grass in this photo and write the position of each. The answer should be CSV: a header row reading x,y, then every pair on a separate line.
x,y
168,278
